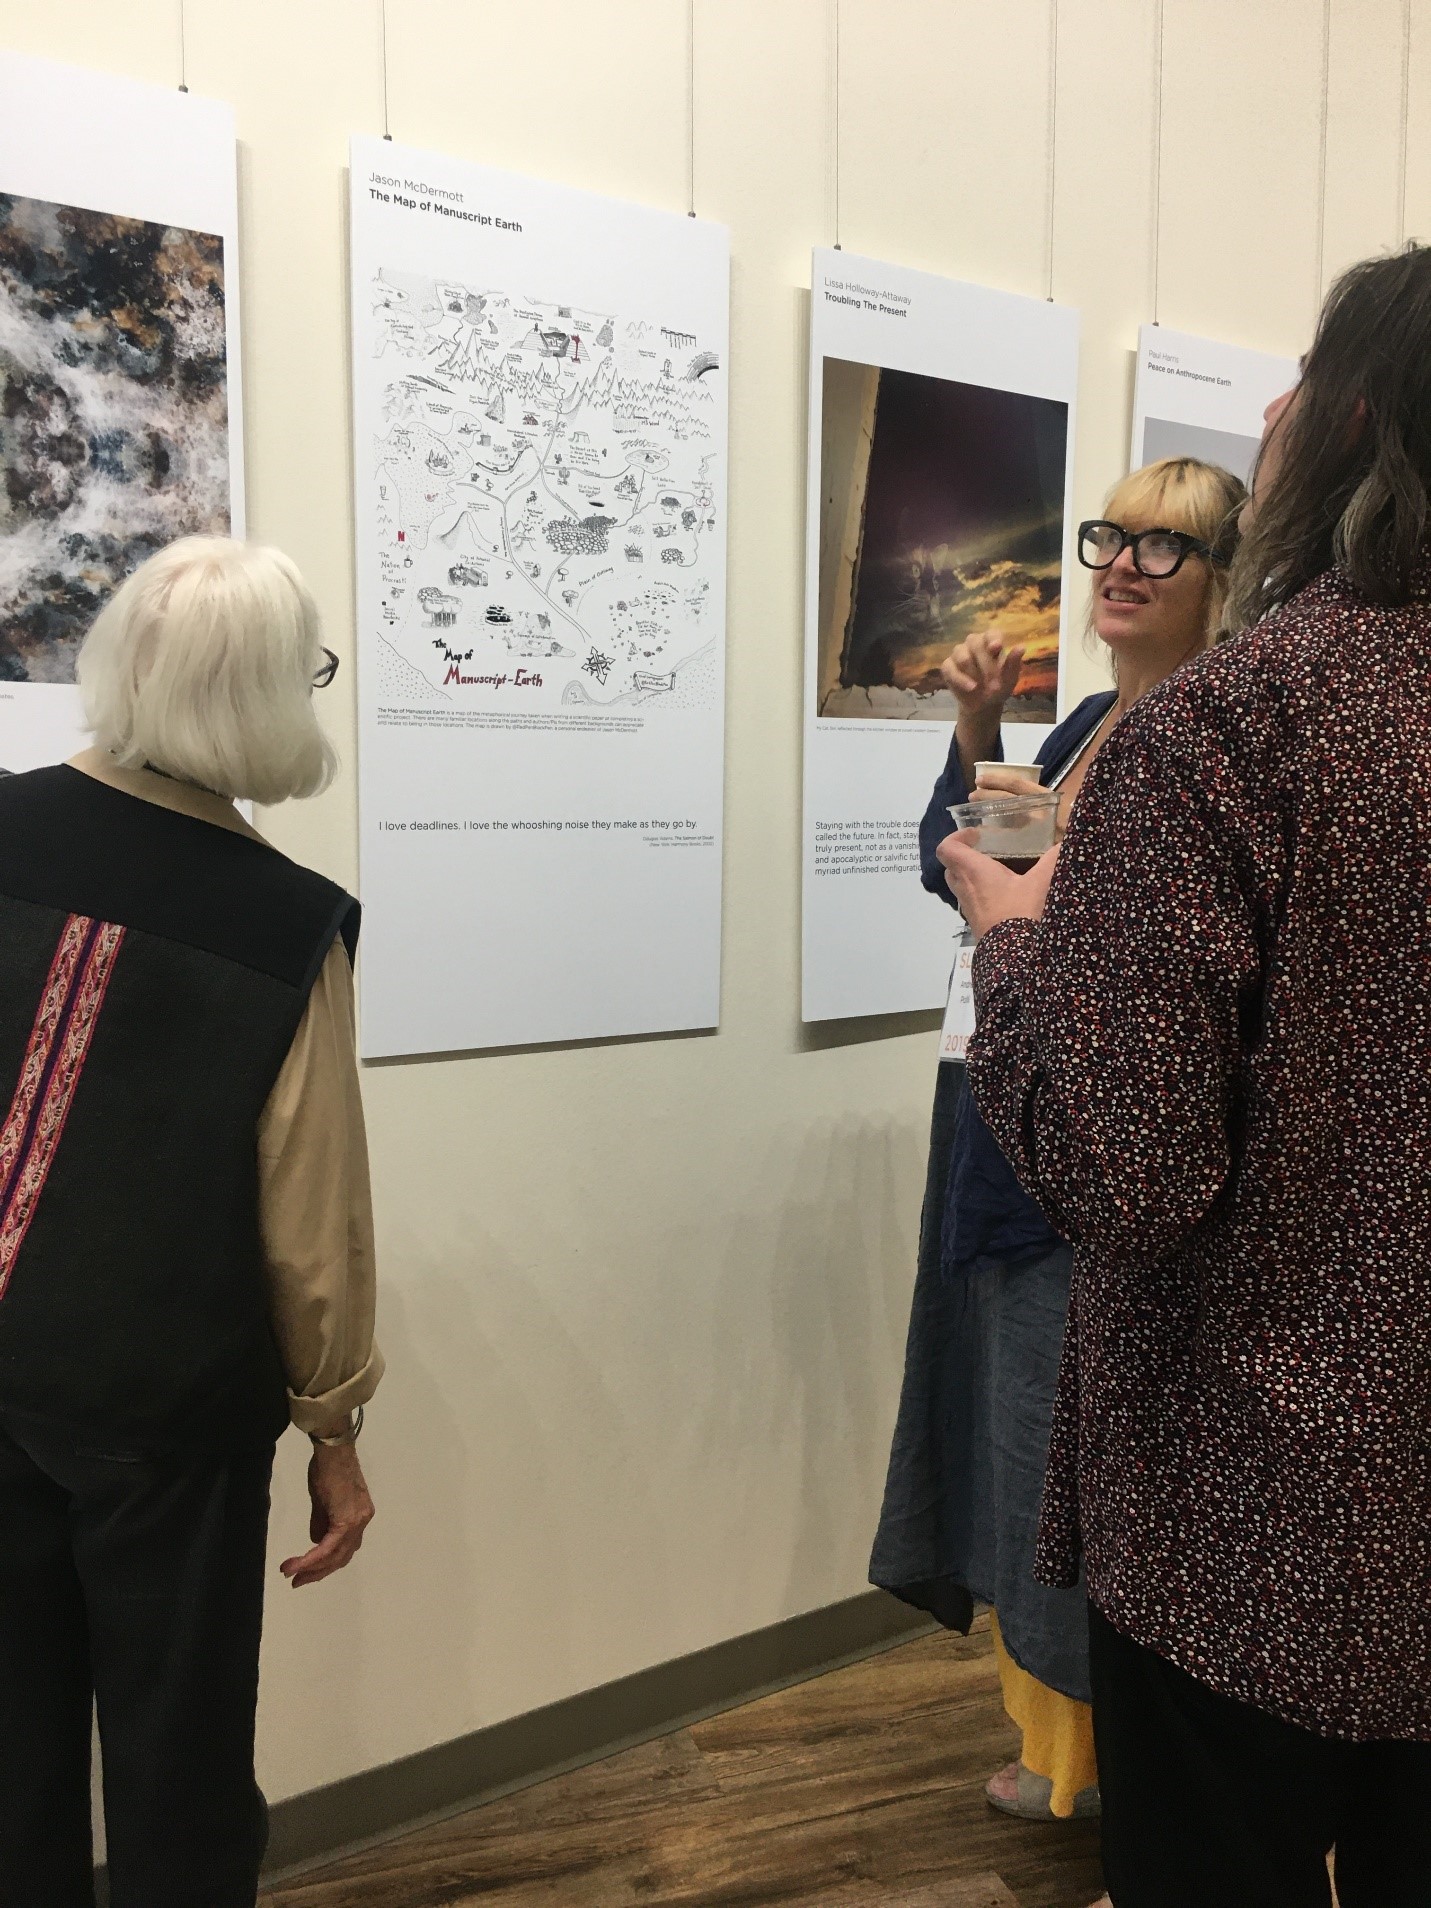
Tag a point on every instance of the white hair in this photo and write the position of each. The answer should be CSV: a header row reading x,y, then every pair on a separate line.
x,y
202,664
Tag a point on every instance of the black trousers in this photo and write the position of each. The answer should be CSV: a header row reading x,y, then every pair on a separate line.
x,y
1208,1803
136,1585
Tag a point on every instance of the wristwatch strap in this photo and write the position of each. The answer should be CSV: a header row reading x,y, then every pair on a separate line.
x,y
348,1435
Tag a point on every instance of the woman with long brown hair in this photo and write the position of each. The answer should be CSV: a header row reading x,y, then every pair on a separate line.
x,y
1204,1042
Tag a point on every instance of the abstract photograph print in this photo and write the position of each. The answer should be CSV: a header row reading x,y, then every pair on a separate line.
x,y
114,427
941,512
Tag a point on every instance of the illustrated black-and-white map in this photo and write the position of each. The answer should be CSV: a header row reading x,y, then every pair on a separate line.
x,y
540,454
546,500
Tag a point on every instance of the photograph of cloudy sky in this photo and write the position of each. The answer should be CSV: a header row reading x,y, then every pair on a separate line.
x,y
941,512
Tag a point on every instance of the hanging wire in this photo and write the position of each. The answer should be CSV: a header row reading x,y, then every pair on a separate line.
x,y
183,52
1405,121
1052,143
835,129
383,14
1157,246
691,108
1322,151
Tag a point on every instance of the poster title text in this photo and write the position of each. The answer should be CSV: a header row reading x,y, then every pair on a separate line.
x,y
865,298
415,196
1170,368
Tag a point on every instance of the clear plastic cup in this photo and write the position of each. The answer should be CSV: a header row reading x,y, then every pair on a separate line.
x,y
1009,827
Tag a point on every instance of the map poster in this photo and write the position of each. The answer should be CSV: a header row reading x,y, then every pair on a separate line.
x,y
120,407
938,503
539,392
1196,397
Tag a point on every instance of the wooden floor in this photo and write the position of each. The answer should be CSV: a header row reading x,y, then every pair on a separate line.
x,y
862,1787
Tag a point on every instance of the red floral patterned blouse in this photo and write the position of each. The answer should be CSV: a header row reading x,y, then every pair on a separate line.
x,y
1210,1063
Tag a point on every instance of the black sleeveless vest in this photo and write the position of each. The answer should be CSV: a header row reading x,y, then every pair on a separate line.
x,y
153,971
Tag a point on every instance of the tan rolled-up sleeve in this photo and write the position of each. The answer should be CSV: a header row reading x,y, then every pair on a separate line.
x,y
316,1213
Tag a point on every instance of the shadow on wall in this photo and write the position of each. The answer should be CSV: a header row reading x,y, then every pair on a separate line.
x,y
817,1036
418,1465
838,1253
584,1467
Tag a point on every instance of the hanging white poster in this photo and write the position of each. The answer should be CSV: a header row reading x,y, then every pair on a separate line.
x,y
120,407
1196,397
940,465
539,390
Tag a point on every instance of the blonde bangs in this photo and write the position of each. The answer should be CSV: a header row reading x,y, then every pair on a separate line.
x,y
1178,493
1183,493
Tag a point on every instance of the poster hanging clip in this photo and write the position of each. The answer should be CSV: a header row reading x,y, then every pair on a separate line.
x,y
1051,152
383,21
690,109
1157,158
835,127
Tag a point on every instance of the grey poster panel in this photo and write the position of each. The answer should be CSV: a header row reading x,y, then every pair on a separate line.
x,y
1163,438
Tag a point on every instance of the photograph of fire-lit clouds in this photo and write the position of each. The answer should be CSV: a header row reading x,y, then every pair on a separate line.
x,y
941,512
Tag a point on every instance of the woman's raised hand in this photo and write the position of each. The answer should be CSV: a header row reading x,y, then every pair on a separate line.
x,y
982,672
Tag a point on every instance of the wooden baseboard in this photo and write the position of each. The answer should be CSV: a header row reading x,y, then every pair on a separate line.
x,y
377,1804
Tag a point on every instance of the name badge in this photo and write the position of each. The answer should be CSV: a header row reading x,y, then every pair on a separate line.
x,y
959,1014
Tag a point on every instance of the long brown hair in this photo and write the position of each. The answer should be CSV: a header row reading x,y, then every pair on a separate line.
x,y
1352,483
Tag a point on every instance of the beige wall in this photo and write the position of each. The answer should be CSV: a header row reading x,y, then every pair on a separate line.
x,y
644,1303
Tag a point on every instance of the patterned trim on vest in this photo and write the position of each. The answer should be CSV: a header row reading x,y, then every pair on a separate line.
x,y
59,1045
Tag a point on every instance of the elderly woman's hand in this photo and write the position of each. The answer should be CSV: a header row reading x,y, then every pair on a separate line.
x,y
342,1511
987,891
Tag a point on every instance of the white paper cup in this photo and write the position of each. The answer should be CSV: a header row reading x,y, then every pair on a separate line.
x,y
1030,769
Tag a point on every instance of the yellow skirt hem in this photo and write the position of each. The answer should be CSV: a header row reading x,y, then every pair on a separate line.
x,y
1057,1731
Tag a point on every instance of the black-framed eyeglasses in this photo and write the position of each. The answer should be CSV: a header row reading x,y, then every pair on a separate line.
x,y
1156,553
326,674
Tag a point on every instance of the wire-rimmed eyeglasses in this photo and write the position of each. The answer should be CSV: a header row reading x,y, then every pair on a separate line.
x,y
329,669
1156,553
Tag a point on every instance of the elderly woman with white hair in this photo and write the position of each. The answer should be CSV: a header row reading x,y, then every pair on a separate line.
x,y
186,1256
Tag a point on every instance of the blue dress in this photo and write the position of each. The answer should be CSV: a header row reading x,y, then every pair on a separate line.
x,y
961,1502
